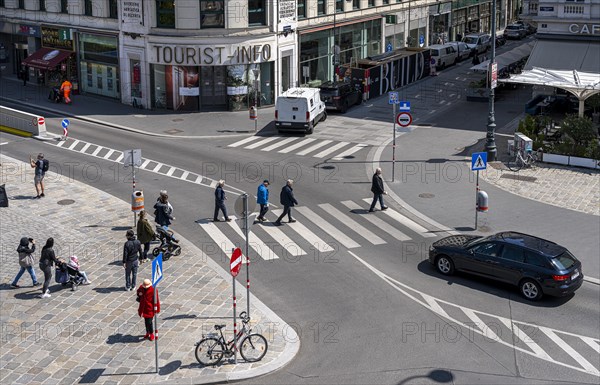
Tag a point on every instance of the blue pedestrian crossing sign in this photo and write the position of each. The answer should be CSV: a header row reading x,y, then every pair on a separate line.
x,y
389,47
65,123
393,97
479,161
404,106
157,270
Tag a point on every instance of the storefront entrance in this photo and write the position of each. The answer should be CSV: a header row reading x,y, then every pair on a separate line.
x,y
213,87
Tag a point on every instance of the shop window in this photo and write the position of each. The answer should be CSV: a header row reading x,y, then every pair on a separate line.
x,y
355,4
165,13
42,5
87,7
135,69
371,3
257,12
99,49
339,5
21,4
64,6
112,9
385,2
2,4
212,14
301,9
321,7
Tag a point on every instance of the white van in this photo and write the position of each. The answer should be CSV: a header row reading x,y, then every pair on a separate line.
x,y
444,55
299,109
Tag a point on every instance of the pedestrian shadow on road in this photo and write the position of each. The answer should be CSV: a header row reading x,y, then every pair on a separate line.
x,y
120,338
499,289
121,228
107,290
181,316
32,294
22,197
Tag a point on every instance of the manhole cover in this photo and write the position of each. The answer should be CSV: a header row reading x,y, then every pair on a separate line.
x,y
328,167
178,120
65,202
519,177
426,195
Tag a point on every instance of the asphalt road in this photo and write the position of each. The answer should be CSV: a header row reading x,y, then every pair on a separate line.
x,y
376,313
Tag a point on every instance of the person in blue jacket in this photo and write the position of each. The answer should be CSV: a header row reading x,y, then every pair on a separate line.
x,y
288,201
262,198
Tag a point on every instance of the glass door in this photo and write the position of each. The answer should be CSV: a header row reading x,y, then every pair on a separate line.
x,y
213,87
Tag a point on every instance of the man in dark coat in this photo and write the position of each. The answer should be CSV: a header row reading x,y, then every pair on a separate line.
x,y
288,201
377,190
132,253
220,202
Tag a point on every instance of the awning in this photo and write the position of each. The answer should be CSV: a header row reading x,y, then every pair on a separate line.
x,y
565,55
507,58
46,58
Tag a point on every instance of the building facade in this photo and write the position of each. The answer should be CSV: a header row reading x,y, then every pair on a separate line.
x,y
193,55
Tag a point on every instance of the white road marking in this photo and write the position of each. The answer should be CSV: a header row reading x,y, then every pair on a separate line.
x,y
296,145
61,143
75,143
585,367
261,143
157,167
184,175
434,306
244,141
328,227
255,242
488,332
286,242
350,151
85,147
120,158
305,233
108,154
145,164
171,171
198,179
331,149
394,232
405,221
314,147
352,224
594,344
279,144
570,351
97,150
3,143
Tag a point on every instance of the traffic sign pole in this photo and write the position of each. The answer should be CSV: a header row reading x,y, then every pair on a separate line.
x,y
394,145
235,344
156,278
246,231
476,196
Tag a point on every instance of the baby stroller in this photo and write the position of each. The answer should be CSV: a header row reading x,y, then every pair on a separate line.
x,y
168,245
69,274
55,95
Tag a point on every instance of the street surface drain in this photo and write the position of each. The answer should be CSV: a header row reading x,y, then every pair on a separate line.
x,y
65,202
519,177
426,195
177,120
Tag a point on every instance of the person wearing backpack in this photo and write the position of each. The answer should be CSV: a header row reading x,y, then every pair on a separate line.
x,y
41,166
26,261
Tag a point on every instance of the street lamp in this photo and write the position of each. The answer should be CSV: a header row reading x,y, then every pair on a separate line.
x,y
490,143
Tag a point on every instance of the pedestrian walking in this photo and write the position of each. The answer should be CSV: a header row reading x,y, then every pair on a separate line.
x,y
26,261
377,190
288,201
163,212
47,261
65,88
41,166
132,252
145,296
145,234
476,60
262,198
220,202
24,75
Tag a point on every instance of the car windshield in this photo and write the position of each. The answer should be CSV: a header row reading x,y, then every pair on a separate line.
x,y
476,241
512,27
470,40
564,261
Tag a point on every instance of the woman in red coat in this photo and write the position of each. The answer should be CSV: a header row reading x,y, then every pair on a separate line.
x,y
145,295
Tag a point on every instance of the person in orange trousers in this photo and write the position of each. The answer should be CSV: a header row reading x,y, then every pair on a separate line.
x,y
65,88
145,295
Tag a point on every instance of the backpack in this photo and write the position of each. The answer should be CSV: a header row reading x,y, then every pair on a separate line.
x,y
45,165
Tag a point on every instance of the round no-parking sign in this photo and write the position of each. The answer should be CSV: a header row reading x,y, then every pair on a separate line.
x,y
404,119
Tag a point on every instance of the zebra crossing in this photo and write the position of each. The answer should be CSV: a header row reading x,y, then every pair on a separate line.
x,y
117,156
300,146
322,229
567,349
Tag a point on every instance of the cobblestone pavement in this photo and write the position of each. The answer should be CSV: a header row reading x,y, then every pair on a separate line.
x,y
94,335
568,187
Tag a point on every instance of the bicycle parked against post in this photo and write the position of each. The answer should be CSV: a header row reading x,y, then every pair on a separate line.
x,y
212,347
523,158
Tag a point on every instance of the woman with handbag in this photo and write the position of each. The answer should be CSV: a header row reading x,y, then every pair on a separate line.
x,y
145,296
47,260
145,234
26,261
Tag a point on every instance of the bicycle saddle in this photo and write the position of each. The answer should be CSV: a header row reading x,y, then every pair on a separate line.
x,y
219,327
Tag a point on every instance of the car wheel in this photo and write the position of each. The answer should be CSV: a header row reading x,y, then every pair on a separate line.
x,y
310,128
443,66
344,107
444,265
530,289
324,118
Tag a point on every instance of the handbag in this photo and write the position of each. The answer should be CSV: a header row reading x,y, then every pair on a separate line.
x,y
61,276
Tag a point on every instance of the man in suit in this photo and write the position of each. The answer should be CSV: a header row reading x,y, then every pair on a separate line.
x,y
288,201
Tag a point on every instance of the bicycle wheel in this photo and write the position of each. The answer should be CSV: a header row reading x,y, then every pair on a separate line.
x,y
209,351
253,347
516,164
531,159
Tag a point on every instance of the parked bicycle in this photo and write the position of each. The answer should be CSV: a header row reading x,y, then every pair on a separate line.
x,y
212,347
523,158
